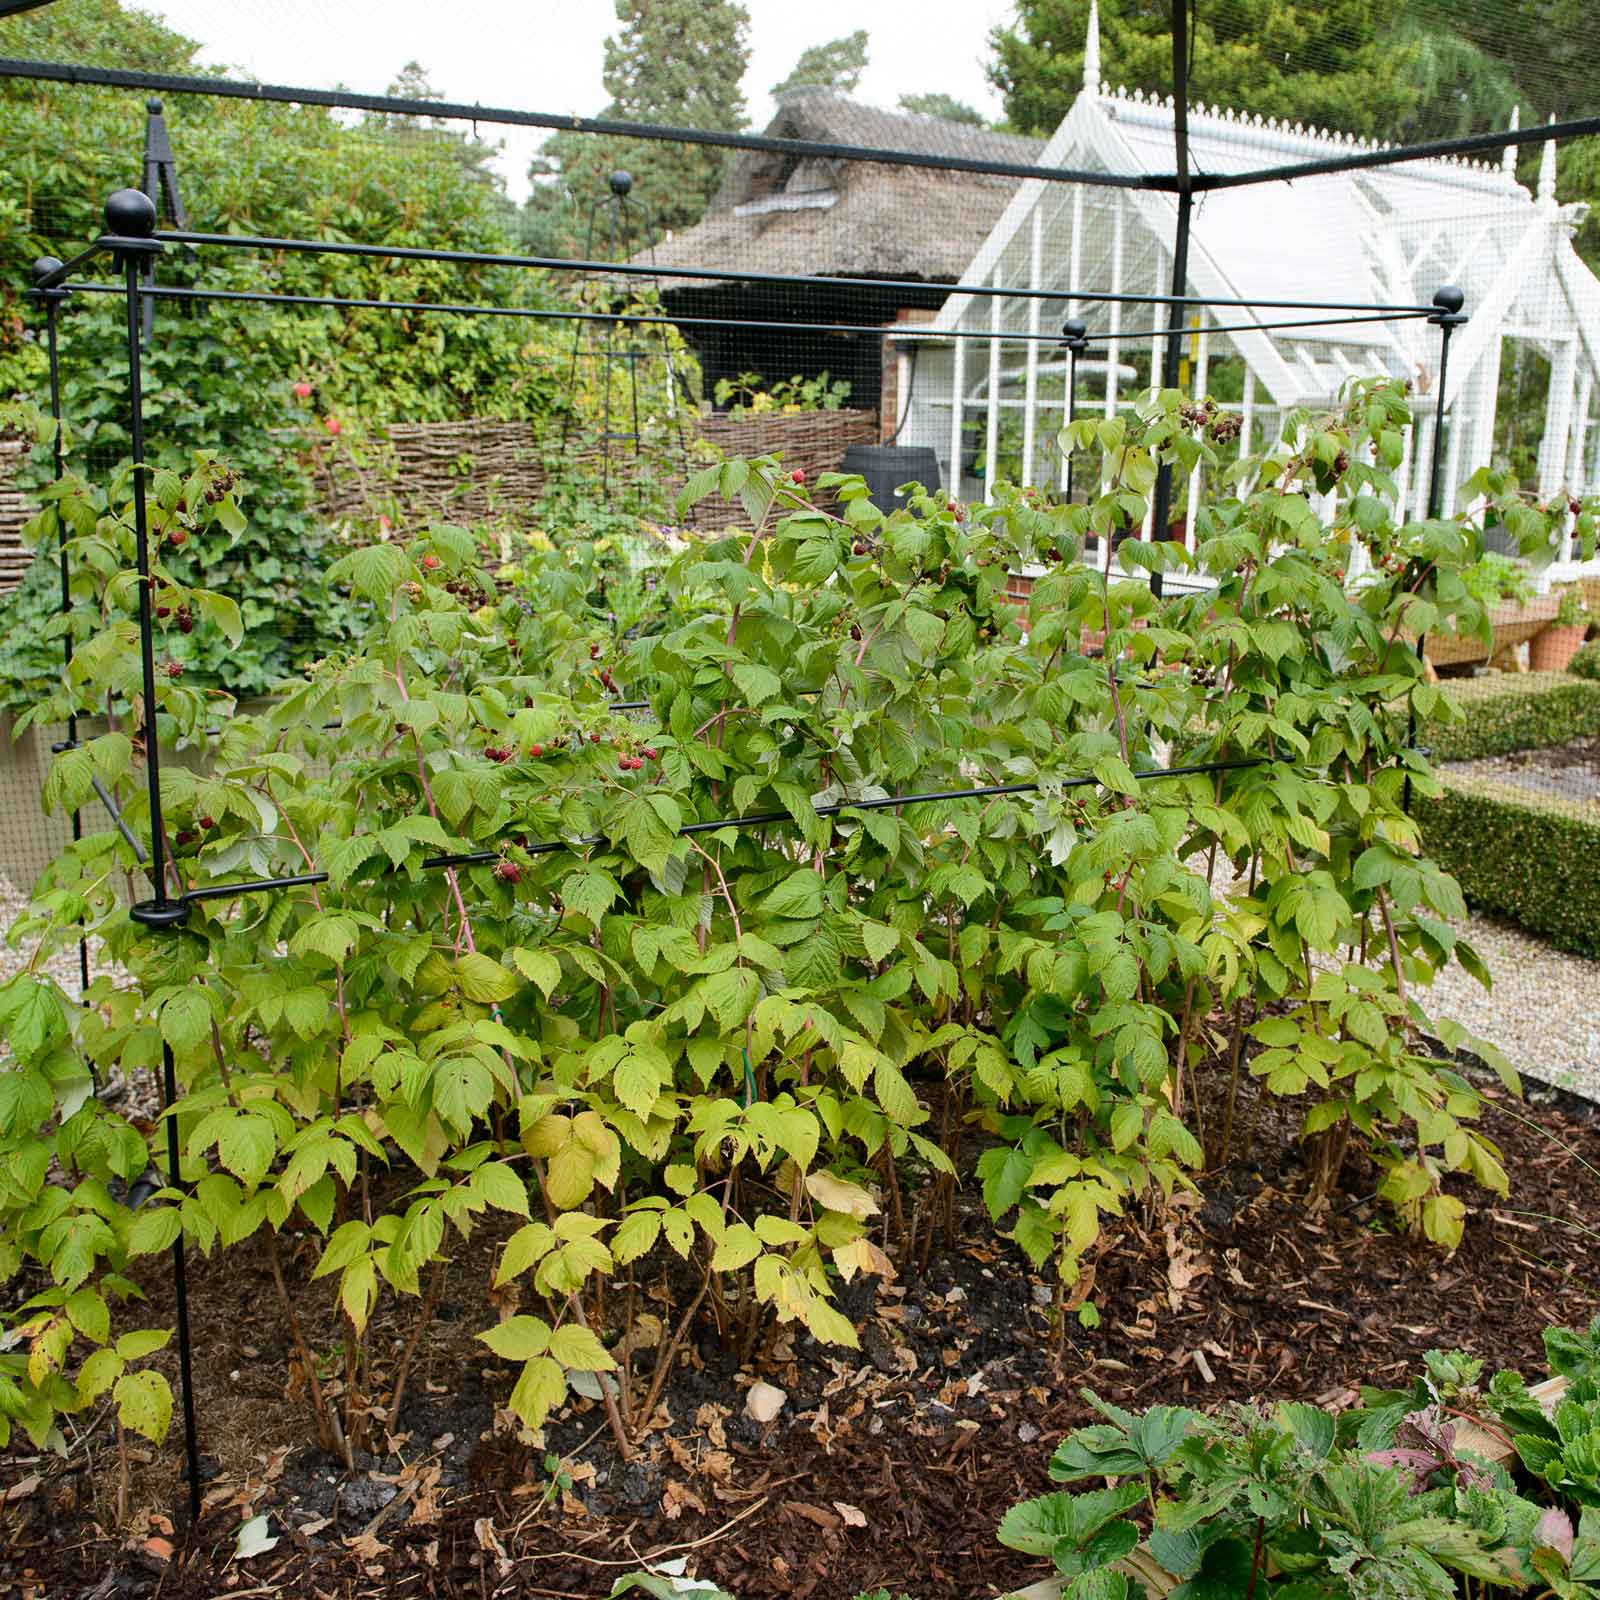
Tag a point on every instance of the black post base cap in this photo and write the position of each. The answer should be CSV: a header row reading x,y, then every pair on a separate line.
x,y
160,914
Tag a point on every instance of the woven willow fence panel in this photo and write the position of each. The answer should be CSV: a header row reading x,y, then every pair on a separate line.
x,y
474,471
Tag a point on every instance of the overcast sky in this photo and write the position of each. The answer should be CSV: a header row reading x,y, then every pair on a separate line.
x,y
538,55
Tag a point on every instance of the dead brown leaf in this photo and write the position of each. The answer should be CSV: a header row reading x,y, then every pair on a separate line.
x,y
823,1519
677,1497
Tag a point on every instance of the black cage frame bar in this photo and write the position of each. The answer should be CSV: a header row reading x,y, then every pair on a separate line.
x,y
132,242
1175,182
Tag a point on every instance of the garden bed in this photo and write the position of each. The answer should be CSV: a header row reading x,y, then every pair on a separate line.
x,y
891,1466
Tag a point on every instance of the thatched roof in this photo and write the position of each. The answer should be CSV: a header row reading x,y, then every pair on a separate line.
x,y
841,218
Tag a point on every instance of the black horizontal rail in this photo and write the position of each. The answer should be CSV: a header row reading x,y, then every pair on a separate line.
x,y
1256,327
789,280
463,111
757,819
460,111
540,314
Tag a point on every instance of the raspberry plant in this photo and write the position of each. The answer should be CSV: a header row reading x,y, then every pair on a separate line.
x,y
761,1051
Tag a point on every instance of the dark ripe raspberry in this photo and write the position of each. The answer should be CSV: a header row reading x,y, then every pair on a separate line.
x,y
855,631
508,872
176,538
594,738
1341,462
163,611
624,764
858,548
173,669
185,622
594,652
650,752
1575,505
183,837
430,563
206,823
535,751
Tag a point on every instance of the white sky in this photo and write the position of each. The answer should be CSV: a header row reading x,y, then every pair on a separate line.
x,y
539,55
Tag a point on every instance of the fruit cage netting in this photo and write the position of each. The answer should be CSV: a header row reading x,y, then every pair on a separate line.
x,y
951,359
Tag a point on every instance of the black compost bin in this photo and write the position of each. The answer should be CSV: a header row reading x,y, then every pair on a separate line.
x,y
887,466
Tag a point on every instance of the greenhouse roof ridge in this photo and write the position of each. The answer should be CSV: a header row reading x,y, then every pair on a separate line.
x,y
1243,126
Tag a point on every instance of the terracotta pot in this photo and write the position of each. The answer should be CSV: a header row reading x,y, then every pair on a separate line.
x,y
1552,648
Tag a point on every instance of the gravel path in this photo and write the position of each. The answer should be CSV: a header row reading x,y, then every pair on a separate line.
x,y
1568,773
1544,1009
63,968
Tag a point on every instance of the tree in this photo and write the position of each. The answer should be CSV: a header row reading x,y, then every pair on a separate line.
x,y
946,107
227,380
836,65
1328,64
678,62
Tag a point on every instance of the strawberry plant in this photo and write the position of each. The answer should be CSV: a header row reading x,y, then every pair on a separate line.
x,y
1296,1500
881,871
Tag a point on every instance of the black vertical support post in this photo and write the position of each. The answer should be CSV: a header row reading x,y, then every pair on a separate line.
x,y
1447,317
130,226
1161,511
1171,356
1076,337
52,299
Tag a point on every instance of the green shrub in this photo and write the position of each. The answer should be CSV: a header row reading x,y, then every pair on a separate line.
x,y
1586,664
1527,856
1527,711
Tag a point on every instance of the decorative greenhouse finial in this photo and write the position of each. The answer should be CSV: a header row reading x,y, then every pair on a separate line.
x,y
1508,162
1547,169
1091,50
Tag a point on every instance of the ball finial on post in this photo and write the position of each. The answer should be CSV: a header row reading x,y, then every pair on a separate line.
x,y
1076,332
1449,299
130,214
621,183
44,266
153,107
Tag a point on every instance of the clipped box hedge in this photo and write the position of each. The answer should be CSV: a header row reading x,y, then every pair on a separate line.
x,y
1515,711
1520,854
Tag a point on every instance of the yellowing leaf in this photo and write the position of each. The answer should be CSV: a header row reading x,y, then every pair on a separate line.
x,y
580,1350
144,1404
540,1389
739,1247
837,1195
519,1338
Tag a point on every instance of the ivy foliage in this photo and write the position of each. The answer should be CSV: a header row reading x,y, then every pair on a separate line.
x,y
537,970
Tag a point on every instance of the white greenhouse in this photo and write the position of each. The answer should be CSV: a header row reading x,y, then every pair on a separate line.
x,y
1381,236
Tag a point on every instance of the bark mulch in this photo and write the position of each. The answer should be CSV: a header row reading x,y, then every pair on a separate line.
x,y
886,1467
